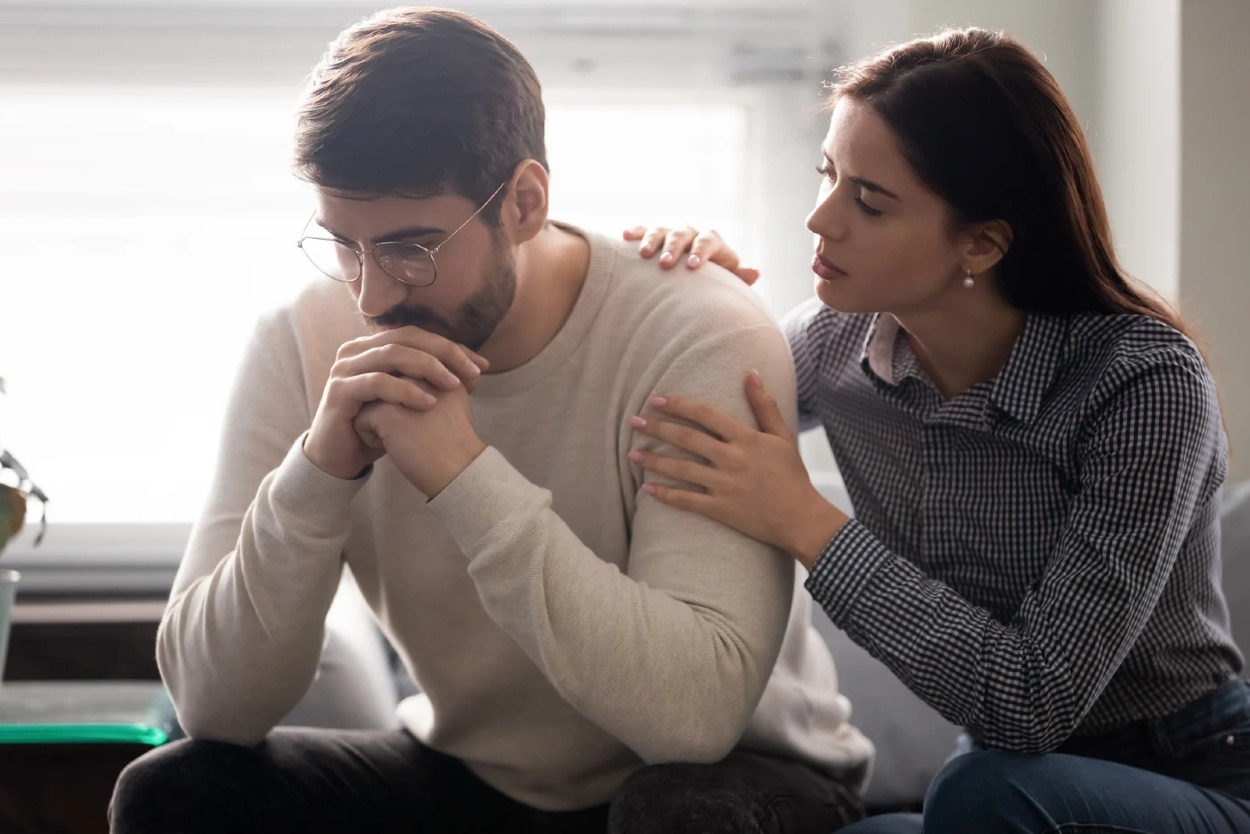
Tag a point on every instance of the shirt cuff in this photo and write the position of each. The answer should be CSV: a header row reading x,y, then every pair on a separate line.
x,y
319,500
844,570
481,498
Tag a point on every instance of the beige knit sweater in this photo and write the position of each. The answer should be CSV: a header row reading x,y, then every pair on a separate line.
x,y
563,626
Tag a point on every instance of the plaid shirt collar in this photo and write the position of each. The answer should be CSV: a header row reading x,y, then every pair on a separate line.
x,y
1019,389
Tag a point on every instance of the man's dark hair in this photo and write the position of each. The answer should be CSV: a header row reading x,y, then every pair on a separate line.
x,y
415,102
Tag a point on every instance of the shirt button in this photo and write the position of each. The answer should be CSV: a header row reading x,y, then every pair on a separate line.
x,y
1229,740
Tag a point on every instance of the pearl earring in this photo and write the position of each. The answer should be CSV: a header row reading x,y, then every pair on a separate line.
x,y
969,283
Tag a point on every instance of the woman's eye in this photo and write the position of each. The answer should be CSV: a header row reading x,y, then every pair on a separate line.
x,y
828,174
867,209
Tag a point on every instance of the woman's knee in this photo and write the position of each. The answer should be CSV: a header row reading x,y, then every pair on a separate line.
x,y
990,789
887,824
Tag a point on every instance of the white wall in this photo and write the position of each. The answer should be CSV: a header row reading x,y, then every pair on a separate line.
x,y
1215,200
1137,138
1064,33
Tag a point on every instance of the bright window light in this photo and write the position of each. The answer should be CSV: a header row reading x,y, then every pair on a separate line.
x,y
145,229
615,166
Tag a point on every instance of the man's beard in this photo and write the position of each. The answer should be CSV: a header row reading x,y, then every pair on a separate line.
x,y
476,318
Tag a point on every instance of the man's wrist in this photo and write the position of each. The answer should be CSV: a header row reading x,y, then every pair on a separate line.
x,y
447,467
343,471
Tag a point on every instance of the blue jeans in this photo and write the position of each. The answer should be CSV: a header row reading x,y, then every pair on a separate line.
x,y
1185,773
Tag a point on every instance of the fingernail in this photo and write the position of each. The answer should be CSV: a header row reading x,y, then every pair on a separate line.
x,y
659,402
649,489
694,261
635,455
755,377
637,422
667,258
646,249
474,370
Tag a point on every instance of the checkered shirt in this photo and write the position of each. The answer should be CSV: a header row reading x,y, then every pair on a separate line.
x,y
1037,557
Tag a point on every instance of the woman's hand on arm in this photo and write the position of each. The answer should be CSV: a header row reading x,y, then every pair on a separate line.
x,y
698,247
753,480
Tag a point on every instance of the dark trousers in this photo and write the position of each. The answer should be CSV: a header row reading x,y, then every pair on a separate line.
x,y
1185,773
306,780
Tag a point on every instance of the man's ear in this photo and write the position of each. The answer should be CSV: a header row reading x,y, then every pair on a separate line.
x,y
524,213
985,244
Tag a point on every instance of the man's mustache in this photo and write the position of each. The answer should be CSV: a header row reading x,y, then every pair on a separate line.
x,y
401,316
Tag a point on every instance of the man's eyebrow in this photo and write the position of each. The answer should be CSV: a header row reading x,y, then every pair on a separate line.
x,y
867,185
405,233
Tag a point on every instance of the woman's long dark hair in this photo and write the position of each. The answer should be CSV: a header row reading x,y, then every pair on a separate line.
x,y
987,128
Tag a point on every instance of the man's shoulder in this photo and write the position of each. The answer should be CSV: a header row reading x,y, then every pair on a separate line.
x,y
678,300
694,332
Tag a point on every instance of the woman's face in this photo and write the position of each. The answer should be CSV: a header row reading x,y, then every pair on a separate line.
x,y
884,241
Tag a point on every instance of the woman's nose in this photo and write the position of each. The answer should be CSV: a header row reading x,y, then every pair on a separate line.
x,y
827,219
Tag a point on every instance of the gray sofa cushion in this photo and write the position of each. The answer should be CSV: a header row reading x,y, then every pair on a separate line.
x,y
1235,549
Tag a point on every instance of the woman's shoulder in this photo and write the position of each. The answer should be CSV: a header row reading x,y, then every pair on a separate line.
x,y
1138,363
1130,341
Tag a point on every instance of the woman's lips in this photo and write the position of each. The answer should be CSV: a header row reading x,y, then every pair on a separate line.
x,y
826,270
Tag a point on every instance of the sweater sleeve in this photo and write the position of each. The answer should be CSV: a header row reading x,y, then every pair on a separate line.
x,y
671,656
240,640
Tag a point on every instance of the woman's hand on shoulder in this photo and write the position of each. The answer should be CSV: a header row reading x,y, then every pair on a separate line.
x,y
697,247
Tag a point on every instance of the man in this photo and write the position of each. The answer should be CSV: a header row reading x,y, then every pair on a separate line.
x,y
453,424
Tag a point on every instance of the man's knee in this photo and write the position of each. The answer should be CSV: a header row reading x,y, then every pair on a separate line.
x,y
175,787
746,792
680,799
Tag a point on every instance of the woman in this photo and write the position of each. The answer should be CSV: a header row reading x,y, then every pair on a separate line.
x,y
1033,447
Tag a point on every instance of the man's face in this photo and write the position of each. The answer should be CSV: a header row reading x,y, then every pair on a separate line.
x,y
476,269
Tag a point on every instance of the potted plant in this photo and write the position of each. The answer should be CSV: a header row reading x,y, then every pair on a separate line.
x,y
15,488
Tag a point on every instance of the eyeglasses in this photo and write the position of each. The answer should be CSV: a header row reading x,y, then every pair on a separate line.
x,y
408,263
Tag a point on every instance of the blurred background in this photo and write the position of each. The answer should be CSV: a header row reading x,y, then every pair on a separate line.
x,y
147,214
